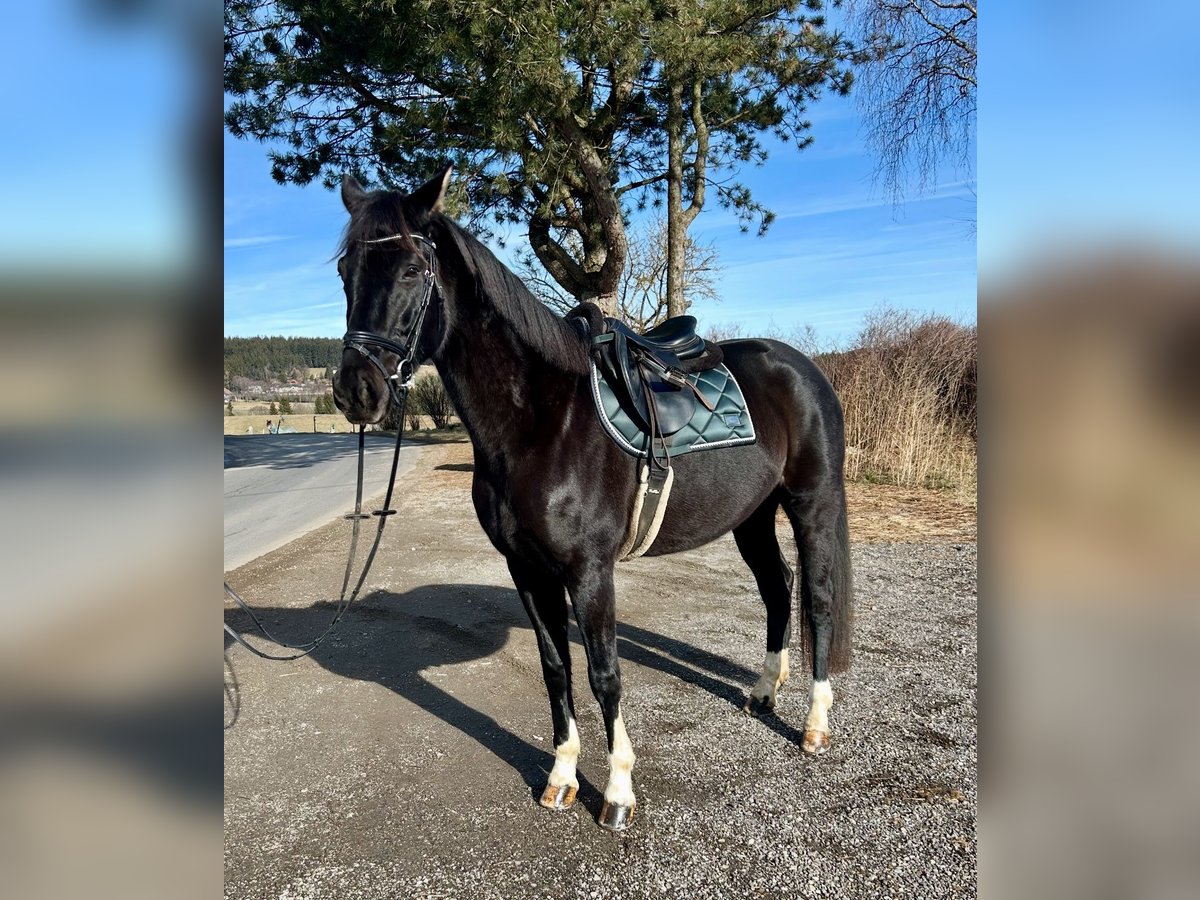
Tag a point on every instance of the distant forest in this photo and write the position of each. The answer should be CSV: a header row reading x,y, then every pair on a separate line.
x,y
275,358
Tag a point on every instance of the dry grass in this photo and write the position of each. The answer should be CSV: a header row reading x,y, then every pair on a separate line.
x,y
302,422
908,390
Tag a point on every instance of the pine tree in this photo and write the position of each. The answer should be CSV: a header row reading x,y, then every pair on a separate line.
x,y
617,103
273,411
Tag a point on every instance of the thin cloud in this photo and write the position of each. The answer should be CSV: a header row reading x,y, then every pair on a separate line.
x,y
851,202
254,241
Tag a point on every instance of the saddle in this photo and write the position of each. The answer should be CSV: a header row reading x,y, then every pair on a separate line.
x,y
649,370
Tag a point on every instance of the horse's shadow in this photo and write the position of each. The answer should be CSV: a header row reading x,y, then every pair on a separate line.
x,y
394,639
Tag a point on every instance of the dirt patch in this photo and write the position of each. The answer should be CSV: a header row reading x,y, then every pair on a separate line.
x,y
884,513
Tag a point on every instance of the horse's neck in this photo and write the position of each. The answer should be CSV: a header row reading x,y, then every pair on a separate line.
x,y
503,389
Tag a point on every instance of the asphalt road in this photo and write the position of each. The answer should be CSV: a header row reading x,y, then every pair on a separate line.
x,y
405,756
279,487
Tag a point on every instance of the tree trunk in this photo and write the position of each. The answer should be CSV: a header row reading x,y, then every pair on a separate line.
x,y
676,226
678,218
606,302
607,212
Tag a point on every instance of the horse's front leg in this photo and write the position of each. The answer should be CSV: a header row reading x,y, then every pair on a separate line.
x,y
545,601
595,611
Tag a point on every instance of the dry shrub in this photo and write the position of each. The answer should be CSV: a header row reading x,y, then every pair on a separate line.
x,y
427,400
908,389
428,397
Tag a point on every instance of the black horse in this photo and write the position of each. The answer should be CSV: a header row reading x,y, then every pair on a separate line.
x,y
554,493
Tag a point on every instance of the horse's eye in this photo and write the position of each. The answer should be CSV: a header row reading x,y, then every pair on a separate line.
x,y
412,272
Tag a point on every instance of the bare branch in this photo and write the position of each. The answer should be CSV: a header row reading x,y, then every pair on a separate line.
x,y
917,86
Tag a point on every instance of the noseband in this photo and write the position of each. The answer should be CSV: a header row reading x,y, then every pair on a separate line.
x,y
364,341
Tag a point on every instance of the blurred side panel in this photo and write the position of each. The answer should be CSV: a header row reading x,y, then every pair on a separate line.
x,y
1090,450
1091,498
110,752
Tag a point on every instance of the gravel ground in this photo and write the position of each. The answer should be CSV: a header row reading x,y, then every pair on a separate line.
x,y
404,758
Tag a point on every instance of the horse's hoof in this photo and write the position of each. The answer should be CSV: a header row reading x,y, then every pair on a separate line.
x,y
759,706
558,796
615,817
815,742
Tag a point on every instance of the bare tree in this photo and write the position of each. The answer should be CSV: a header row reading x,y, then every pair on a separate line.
x,y
724,331
916,87
642,299
643,296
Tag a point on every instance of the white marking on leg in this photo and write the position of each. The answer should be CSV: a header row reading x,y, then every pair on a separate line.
x,y
566,755
818,713
784,671
774,666
620,774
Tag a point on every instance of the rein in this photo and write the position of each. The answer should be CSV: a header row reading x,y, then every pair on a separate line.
x,y
362,341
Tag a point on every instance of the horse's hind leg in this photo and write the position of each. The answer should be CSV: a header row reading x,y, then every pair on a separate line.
x,y
759,547
545,601
818,517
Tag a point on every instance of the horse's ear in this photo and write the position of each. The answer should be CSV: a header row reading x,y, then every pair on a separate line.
x,y
432,193
353,193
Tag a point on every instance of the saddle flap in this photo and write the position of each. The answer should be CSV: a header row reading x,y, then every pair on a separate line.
x,y
641,376
627,379
673,406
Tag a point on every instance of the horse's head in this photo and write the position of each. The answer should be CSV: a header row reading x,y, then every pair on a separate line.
x,y
387,270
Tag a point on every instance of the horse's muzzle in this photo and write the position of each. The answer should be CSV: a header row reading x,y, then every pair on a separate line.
x,y
360,390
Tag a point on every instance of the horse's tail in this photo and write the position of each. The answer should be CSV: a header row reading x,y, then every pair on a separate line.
x,y
843,593
842,600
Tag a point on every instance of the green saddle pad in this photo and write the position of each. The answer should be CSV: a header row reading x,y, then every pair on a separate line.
x,y
728,425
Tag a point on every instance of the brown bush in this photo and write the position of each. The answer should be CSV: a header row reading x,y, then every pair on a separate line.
x,y
908,389
428,397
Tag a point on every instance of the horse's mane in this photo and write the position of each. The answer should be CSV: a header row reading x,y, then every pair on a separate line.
x,y
383,213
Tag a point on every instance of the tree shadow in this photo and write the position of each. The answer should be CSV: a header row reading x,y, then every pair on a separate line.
x,y
392,639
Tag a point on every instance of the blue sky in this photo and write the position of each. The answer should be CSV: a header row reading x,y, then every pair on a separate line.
x,y
837,249
1088,142
1088,136
95,112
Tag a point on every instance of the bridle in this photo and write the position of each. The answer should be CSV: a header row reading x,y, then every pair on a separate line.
x,y
363,341
406,351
